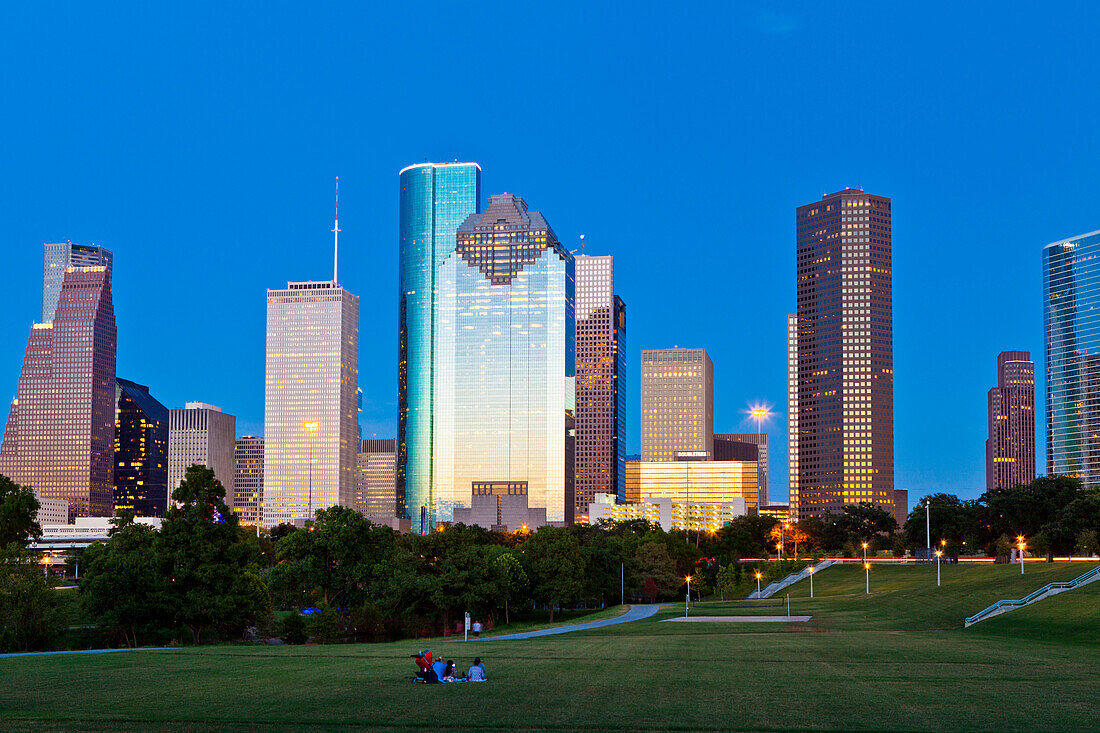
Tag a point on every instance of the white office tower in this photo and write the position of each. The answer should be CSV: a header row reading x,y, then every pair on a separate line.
x,y
310,405
203,435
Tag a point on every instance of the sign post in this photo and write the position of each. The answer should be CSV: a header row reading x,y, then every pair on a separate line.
x,y
466,631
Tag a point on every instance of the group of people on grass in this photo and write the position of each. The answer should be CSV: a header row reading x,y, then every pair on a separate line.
x,y
433,672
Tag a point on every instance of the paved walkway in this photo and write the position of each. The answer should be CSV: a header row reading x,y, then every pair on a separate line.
x,y
740,619
636,613
88,651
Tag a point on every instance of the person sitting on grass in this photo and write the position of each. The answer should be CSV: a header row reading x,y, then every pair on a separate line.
x,y
477,672
449,671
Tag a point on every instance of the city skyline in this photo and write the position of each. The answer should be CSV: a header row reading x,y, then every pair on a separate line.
x,y
928,138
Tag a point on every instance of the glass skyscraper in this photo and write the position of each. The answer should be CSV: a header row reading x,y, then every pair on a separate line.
x,y
499,394
435,199
1071,320
141,451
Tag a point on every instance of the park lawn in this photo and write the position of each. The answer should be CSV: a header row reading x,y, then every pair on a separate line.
x,y
914,668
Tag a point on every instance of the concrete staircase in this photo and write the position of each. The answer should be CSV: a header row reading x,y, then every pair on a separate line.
x,y
777,585
1046,591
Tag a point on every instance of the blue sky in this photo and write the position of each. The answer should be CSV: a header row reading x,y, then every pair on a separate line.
x,y
200,143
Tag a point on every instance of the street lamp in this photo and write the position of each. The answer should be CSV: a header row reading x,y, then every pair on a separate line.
x,y
687,599
759,414
867,570
758,584
811,581
1020,541
778,551
939,554
311,426
864,552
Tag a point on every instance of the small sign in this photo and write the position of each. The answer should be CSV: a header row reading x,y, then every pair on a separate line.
x,y
467,621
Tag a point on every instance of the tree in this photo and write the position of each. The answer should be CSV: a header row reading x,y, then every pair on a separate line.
x,y
31,616
729,577
209,585
555,566
511,580
123,587
653,562
1088,542
18,513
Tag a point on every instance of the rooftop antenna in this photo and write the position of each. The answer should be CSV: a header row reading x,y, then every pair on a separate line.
x,y
336,234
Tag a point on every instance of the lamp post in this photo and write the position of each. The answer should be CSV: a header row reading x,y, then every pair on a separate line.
x,y
1020,541
865,553
311,426
939,554
758,585
928,521
811,581
758,414
867,570
687,599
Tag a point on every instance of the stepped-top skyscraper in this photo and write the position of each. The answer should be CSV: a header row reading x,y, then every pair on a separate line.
x,y
601,386
435,199
1071,318
844,343
500,398
60,432
1010,448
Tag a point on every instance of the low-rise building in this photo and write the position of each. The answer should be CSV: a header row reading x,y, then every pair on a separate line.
x,y
51,511
693,481
669,513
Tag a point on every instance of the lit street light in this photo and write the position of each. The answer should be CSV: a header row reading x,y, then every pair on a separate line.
x,y
864,552
811,581
867,570
687,600
1020,540
939,554
758,584
759,414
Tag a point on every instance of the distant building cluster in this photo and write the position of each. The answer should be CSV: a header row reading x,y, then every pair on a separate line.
x,y
511,403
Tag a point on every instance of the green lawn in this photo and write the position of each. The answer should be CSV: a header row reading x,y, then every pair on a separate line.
x,y
896,660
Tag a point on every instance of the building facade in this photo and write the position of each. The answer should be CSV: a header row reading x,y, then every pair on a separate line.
x,y
60,433
51,511
792,415
248,479
201,434
669,514
693,481
601,385
845,400
376,491
141,451
435,199
677,403
1071,320
1010,447
760,440
310,404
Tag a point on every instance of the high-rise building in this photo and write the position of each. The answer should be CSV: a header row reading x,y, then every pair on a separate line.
x,y
845,401
601,385
435,199
248,478
677,403
141,451
60,433
760,440
203,435
502,397
310,410
693,481
792,415
1010,448
1071,319
376,490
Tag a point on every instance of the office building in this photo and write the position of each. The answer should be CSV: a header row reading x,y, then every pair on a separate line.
x,y
60,432
435,199
1071,320
601,385
845,401
501,394
501,506
141,451
310,405
1010,447
376,490
901,507
693,481
51,511
677,403
248,479
668,513
203,435
792,415
760,440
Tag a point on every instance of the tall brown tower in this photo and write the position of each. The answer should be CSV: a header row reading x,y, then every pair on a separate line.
x,y
845,353
1010,448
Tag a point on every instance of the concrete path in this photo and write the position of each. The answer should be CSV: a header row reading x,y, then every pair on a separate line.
x,y
636,613
89,651
739,619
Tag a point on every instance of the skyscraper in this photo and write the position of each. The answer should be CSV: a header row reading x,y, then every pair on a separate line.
x,y
248,478
845,400
201,434
141,451
502,391
1071,319
310,405
601,385
60,432
435,199
1010,448
677,403
376,491
760,440
792,415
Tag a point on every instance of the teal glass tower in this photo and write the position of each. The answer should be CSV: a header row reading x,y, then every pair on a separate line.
x,y
435,199
1071,319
